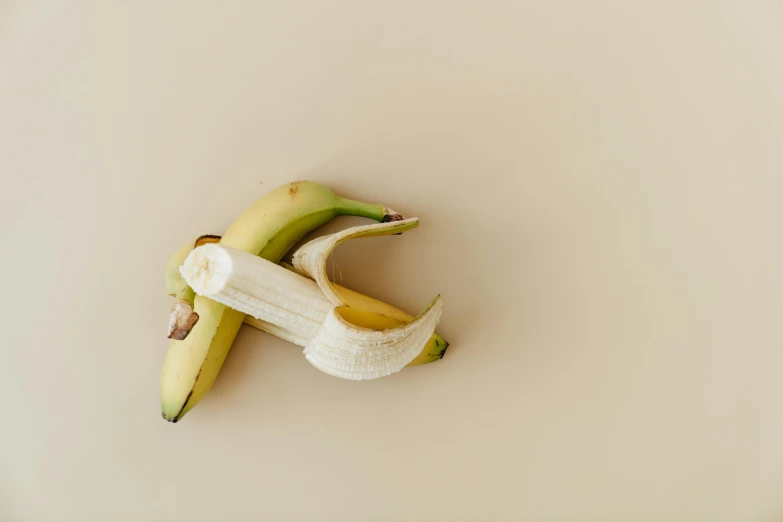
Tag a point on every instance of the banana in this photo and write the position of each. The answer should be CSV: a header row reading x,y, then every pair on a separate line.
x,y
305,308
268,228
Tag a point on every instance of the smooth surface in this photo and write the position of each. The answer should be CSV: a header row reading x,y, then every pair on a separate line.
x,y
599,187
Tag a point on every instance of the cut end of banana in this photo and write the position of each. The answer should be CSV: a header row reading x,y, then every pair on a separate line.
x,y
207,238
206,269
182,320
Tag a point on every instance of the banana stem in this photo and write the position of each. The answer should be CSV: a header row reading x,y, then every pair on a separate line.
x,y
350,207
183,318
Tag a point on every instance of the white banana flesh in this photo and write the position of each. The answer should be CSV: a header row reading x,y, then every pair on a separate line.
x,y
351,352
305,309
257,287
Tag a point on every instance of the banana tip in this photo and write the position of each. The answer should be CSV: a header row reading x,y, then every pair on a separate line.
x,y
172,420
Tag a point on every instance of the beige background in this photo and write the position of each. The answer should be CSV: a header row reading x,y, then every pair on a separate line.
x,y
599,185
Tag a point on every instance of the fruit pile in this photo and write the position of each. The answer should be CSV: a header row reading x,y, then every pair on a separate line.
x,y
221,282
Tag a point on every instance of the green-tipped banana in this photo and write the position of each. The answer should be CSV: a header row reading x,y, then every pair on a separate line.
x,y
269,228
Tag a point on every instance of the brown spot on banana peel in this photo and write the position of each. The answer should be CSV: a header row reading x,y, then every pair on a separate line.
x,y
293,188
182,320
